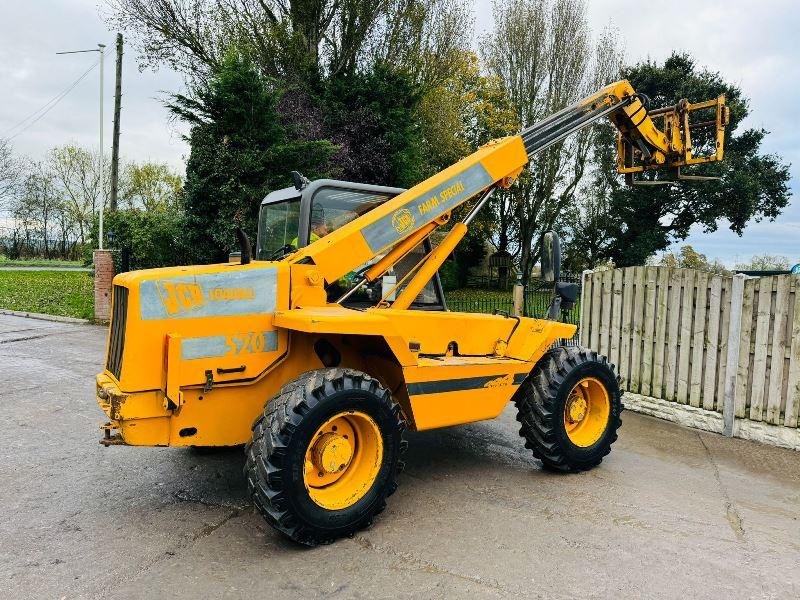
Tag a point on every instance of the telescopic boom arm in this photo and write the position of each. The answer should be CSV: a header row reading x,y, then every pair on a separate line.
x,y
398,225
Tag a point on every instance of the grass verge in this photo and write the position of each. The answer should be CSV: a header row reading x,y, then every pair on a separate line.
x,y
38,262
63,293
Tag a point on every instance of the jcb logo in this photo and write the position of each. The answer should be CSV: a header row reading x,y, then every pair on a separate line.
x,y
198,295
402,220
180,298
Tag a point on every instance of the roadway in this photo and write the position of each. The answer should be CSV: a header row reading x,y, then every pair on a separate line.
x,y
671,513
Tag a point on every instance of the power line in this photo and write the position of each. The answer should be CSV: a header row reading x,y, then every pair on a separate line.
x,y
47,107
41,112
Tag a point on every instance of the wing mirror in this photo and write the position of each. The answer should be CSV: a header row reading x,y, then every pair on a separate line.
x,y
246,254
568,292
551,257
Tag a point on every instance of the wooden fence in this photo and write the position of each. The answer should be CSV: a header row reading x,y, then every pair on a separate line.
x,y
718,352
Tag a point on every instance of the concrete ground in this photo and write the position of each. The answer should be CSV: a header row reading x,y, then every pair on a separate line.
x,y
671,513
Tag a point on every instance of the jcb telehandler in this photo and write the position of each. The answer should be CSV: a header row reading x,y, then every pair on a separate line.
x,y
319,353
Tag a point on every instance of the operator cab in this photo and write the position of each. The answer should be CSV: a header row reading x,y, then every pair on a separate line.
x,y
297,216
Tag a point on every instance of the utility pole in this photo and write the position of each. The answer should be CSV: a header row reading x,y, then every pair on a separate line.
x,y
101,49
115,139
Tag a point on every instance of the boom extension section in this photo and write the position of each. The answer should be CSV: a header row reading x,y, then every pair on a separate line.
x,y
395,227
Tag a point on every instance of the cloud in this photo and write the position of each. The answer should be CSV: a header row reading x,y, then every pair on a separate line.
x,y
31,74
778,238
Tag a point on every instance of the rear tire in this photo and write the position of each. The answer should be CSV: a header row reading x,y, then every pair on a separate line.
x,y
289,432
558,424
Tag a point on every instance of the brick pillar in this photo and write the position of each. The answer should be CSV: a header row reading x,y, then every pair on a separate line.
x,y
103,274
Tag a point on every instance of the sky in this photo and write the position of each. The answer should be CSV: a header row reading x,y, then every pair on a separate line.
x,y
31,74
753,45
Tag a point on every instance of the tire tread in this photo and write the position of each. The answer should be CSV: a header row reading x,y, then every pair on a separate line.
x,y
538,415
272,434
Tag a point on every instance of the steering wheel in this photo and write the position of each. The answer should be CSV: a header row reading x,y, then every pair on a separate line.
x,y
282,251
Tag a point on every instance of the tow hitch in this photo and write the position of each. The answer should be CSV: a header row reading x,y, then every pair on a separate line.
x,y
110,439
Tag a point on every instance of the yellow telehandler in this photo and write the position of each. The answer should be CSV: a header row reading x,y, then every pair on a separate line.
x,y
321,351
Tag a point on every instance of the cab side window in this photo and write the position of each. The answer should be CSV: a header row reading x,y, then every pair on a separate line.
x,y
332,208
277,228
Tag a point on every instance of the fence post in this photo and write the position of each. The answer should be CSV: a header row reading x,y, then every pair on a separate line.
x,y
582,329
519,296
732,364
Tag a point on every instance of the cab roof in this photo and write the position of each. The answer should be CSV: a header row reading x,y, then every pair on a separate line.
x,y
280,195
291,192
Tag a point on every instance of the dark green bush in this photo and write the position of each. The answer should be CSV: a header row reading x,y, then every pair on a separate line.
x,y
151,238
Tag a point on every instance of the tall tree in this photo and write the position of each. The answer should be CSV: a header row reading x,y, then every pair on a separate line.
x,y
753,185
240,150
76,175
370,116
589,216
427,38
297,39
543,52
149,186
10,170
38,208
352,72
463,111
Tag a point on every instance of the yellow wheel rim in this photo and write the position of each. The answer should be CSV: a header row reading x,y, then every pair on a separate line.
x,y
586,412
343,460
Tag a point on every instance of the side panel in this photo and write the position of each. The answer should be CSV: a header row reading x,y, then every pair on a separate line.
x,y
216,318
451,390
459,390
534,336
224,416
475,334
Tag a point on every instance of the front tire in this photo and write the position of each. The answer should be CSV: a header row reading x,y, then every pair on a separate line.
x,y
569,409
324,455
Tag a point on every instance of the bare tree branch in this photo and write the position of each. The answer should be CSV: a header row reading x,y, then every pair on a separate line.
x,y
543,52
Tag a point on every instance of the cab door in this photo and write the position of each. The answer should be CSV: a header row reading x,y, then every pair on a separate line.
x,y
328,205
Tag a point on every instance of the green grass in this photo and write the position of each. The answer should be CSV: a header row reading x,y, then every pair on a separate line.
x,y
478,294
38,262
479,300
63,293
